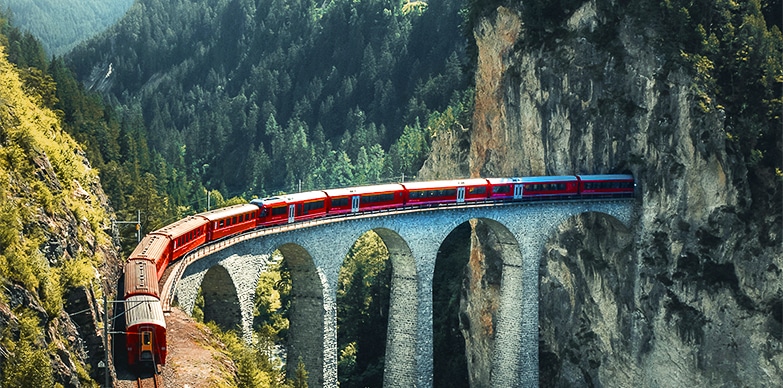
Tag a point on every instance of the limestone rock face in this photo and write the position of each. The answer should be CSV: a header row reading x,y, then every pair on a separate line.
x,y
691,295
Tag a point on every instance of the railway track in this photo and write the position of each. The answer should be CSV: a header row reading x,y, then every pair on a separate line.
x,y
154,381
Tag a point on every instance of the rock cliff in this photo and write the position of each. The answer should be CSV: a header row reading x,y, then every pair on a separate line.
x,y
54,216
691,295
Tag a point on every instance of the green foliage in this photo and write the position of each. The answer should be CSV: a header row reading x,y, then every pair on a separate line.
x,y
408,153
273,96
28,364
254,366
198,307
60,25
300,379
270,317
363,291
735,55
77,272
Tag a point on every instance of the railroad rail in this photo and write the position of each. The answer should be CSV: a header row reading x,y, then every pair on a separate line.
x,y
154,381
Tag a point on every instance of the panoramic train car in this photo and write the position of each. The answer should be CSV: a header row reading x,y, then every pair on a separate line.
x,y
538,187
272,211
230,220
145,330
305,206
184,235
141,278
364,198
606,185
154,248
291,208
505,189
447,191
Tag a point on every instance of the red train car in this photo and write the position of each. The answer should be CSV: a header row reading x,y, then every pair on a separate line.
x,y
439,192
291,208
153,248
365,198
141,278
539,187
230,220
145,330
184,235
272,211
606,185
305,206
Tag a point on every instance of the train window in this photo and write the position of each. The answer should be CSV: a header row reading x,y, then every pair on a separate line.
x,y
377,198
234,220
276,211
500,189
477,190
221,223
313,206
340,202
147,338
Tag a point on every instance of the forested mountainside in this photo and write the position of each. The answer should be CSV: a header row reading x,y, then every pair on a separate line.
x,y
686,95
61,24
259,96
53,240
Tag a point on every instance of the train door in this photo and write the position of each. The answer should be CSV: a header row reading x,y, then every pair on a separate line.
x,y
145,348
460,194
291,213
355,204
518,191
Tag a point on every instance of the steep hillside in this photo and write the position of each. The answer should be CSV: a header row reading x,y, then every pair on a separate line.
x,y
62,24
687,97
259,96
53,243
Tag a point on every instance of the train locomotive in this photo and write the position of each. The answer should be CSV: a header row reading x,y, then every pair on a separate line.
x,y
145,323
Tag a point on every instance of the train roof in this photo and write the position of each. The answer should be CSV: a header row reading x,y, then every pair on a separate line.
x,y
348,191
181,227
606,177
143,310
268,201
533,179
141,277
306,196
229,211
151,247
445,184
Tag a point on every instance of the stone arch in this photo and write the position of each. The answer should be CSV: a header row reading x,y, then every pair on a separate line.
x,y
221,302
487,247
587,301
306,314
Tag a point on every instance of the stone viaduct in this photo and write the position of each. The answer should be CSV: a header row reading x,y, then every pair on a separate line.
x,y
228,274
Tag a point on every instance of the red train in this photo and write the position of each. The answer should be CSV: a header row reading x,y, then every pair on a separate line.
x,y
146,328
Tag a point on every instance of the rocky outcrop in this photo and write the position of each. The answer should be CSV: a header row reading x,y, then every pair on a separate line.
x,y
691,295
